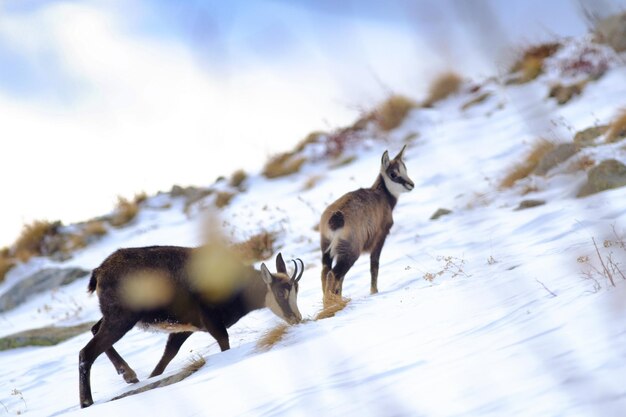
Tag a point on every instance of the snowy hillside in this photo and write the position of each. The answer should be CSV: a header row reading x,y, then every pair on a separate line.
x,y
486,311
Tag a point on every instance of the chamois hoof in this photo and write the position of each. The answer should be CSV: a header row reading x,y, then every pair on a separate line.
x,y
130,377
373,291
86,403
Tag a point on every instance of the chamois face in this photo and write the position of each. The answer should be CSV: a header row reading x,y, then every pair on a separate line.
x,y
395,175
282,294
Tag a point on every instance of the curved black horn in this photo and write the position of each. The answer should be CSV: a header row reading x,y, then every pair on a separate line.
x,y
295,270
301,270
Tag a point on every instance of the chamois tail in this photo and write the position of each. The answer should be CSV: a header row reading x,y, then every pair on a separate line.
x,y
93,281
336,221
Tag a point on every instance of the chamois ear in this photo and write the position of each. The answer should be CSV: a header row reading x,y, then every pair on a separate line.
x,y
266,274
400,155
280,264
385,160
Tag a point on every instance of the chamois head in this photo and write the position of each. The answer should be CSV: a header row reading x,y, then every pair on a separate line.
x,y
394,174
282,292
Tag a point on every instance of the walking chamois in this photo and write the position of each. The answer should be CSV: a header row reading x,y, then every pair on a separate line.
x,y
179,301
358,222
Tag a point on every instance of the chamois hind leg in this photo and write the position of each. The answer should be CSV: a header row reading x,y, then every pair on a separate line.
x,y
327,263
346,257
108,333
118,362
374,262
174,342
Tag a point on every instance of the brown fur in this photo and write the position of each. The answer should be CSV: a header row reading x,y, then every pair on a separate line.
x,y
359,222
181,303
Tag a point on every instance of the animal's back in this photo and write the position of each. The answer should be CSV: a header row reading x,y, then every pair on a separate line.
x,y
355,217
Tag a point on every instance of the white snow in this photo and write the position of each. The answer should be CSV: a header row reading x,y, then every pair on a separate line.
x,y
509,326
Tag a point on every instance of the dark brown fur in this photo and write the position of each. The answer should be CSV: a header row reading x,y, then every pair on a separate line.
x,y
185,309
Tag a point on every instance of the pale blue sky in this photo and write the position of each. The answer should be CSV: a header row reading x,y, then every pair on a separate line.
x,y
107,97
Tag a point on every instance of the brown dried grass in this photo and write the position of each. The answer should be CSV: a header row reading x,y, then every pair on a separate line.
x,y
237,178
524,168
443,87
332,305
579,163
311,182
125,211
258,247
313,137
392,112
6,263
530,64
282,165
95,228
31,241
617,130
196,362
223,198
272,336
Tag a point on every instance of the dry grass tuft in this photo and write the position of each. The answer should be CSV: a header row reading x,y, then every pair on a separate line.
x,y
258,247
95,228
125,211
580,163
343,162
223,198
237,178
525,168
442,87
283,164
564,93
140,197
476,100
313,137
196,362
311,182
272,336
31,241
617,130
392,112
530,65
6,263
332,305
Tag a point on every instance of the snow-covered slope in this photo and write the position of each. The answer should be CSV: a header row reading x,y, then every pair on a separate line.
x,y
507,323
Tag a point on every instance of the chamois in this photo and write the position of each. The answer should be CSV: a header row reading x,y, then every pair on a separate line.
x,y
358,222
178,295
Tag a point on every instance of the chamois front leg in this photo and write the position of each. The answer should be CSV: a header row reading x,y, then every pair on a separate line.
x,y
217,329
107,335
118,362
174,342
374,262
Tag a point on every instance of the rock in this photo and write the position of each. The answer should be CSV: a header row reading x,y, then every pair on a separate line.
x,y
559,154
44,336
529,204
612,31
440,212
587,137
40,281
607,175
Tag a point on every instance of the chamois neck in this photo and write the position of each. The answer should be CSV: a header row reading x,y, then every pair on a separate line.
x,y
379,185
255,291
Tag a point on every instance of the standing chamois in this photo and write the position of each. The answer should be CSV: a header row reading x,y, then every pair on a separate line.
x,y
168,288
358,222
